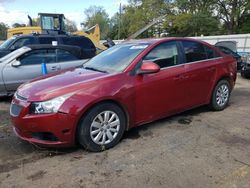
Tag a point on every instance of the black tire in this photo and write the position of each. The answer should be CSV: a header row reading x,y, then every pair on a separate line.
x,y
244,75
214,103
84,128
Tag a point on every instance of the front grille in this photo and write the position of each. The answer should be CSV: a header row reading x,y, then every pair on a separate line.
x,y
19,97
15,110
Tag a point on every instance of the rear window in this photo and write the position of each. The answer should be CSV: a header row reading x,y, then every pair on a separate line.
x,y
82,42
46,40
211,53
194,51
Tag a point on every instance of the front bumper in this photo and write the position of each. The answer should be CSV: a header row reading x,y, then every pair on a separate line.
x,y
51,130
246,69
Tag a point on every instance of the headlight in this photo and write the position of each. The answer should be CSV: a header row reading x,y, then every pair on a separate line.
x,y
51,106
248,60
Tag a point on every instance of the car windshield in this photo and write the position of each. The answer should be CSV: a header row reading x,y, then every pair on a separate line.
x,y
15,53
5,44
116,58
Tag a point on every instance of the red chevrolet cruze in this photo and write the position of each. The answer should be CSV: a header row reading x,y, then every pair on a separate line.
x,y
125,86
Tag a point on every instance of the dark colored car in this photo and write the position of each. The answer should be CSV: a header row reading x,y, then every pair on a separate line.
x,y
232,53
128,85
17,42
245,69
25,64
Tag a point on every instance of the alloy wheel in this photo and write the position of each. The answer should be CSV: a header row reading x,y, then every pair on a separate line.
x,y
105,127
222,95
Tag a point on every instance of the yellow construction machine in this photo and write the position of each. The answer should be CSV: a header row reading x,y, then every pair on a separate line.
x,y
54,24
94,35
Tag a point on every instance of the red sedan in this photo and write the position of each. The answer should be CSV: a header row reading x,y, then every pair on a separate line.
x,y
128,85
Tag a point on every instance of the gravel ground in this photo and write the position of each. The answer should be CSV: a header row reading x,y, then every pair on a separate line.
x,y
198,148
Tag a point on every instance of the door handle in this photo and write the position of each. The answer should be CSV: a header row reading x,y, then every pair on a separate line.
x,y
55,68
211,69
185,77
179,77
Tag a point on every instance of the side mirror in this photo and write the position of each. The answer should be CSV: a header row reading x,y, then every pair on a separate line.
x,y
148,67
16,64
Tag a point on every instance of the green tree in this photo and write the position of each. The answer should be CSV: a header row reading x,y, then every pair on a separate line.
x,y
35,21
245,24
141,12
15,25
97,15
70,26
194,6
233,13
193,18
3,31
114,26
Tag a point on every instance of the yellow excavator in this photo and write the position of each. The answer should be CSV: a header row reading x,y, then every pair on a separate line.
x,y
94,35
54,24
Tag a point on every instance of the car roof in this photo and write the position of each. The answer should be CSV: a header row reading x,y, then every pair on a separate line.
x,y
75,50
47,35
156,40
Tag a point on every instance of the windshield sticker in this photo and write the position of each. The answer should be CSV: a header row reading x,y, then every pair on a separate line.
x,y
138,47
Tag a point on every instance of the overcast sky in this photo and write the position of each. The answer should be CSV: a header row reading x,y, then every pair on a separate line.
x,y
12,11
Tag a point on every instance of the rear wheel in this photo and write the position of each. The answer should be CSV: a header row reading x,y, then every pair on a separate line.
x,y
102,127
221,95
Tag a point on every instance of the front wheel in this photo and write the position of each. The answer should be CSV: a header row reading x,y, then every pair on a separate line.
x,y
102,127
244,75
220,96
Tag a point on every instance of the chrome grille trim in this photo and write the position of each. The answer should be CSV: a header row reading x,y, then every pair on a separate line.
x,y
19,97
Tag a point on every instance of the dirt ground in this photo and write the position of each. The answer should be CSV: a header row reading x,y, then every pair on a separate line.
x,y
198,148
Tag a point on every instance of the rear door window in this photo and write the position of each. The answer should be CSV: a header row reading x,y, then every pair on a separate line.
x,y
38,57
211,53
194,51
63,55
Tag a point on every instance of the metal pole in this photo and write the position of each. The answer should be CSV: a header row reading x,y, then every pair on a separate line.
x,y
120,13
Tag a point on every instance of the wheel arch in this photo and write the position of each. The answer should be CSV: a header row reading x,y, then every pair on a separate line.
x,y
122,107
223,77
228,78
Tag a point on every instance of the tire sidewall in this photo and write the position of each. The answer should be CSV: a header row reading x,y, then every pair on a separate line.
x,y
242,73
214,104
83,132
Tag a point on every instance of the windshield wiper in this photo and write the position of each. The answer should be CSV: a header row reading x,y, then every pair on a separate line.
x,y
95,69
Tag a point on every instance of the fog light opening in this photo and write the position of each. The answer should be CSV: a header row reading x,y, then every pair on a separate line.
x,y
46,136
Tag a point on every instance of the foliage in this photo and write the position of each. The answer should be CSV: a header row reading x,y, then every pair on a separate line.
x,y
35,21
114,27
97,15
182,18
233,13
142,12
70,26
3,31
15,25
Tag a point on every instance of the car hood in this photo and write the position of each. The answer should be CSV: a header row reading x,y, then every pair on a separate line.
x,y
55,85
3,52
